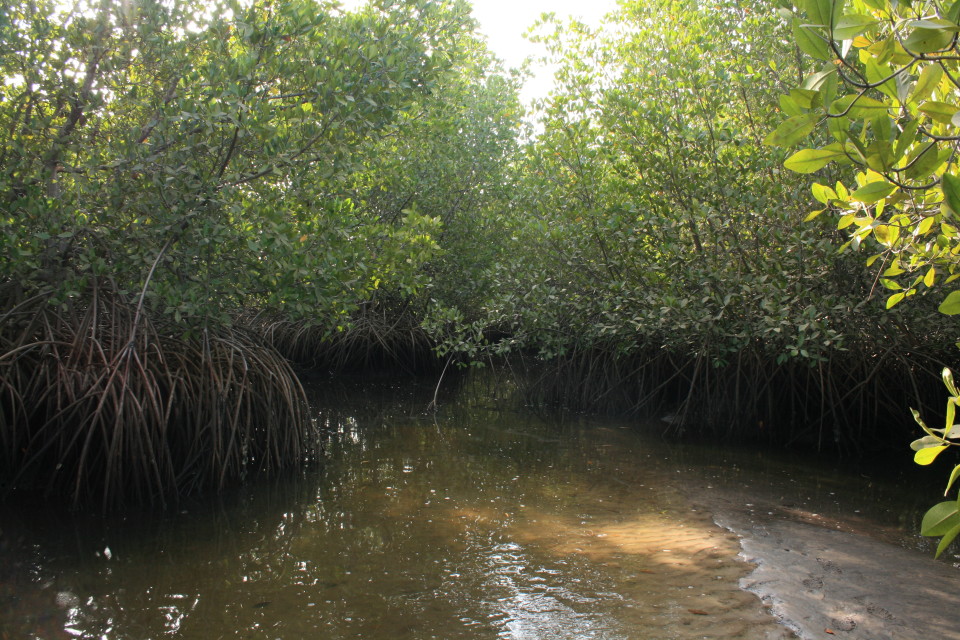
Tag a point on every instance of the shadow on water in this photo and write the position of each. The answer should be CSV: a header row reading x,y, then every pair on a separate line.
x,y
478,521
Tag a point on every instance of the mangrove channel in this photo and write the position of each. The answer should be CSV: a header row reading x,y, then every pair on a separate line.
x,y
731,223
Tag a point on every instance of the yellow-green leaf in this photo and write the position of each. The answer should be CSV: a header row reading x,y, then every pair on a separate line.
x,y
886,234
924,227
947,376
822,193
895,299
928,455
951,304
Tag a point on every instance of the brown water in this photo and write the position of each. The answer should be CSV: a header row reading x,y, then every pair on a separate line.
x,y
473,523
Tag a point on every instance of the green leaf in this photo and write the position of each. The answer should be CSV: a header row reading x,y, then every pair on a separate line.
x,y
792,131
936,24
928,40
919,421
857,106
810,41
939,519
929,80
926,442
873,191
941,112
905,140
815,81
789,106
804,98
839,128
810,160
953,478
828,87
945,541
928,454
849,27
951,192
877,73
924,160
822,12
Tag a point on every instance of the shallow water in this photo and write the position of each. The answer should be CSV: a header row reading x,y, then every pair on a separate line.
x,y
476,522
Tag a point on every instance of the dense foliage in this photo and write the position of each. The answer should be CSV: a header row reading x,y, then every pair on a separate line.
x,y
888,94
194,193
203,143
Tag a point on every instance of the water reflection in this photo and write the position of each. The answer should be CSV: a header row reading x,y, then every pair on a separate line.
x,y
478,522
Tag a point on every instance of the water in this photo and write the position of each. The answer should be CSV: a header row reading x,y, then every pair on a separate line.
x,y
476,522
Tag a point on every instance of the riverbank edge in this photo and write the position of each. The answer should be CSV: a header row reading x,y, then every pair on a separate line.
x,y
824,583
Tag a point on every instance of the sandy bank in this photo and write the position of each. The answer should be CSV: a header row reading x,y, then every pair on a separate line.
x,y
825,583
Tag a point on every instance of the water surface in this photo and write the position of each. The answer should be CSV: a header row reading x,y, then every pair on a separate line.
x,y
474,522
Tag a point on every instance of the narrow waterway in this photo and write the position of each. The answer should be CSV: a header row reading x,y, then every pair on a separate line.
x,y
479,521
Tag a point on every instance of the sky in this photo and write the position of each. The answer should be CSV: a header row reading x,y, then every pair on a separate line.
x,y
505,21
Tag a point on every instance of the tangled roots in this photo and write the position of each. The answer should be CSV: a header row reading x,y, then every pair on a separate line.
x,y
99,401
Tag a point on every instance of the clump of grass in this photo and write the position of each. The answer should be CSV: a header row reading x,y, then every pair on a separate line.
x,y
102,401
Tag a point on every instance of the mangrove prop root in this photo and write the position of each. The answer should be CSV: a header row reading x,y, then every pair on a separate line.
x,y
100,402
